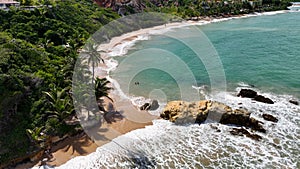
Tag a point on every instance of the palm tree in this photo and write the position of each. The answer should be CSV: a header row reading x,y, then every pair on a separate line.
x,y
61,106
94,57
101,88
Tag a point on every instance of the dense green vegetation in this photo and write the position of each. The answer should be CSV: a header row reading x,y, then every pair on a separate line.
x,y
196,8
38,50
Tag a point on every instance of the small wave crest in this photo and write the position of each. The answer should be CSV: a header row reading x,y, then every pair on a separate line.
x,y
123,47
243,84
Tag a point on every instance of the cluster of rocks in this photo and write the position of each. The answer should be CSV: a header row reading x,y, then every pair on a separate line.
x,y
181,112
248,93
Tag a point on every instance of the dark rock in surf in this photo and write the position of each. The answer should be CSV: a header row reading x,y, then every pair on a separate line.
x,y
263,99
238,132
256,125
247,93
154,105
242,131
294,102
146,106
269,117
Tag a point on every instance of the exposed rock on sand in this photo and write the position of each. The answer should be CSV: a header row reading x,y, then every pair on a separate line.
x,y
181,112
253,94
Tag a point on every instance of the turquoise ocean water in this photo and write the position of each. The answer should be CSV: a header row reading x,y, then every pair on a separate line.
x,y
261,51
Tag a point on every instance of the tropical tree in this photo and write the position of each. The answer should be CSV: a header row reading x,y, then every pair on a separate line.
x,y
61,106
36,135
94,57
101,88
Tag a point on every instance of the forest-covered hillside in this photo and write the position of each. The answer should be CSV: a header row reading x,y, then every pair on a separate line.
x,y
38,52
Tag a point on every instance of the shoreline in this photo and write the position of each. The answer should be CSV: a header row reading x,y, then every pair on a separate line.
x,y
131,119
133,36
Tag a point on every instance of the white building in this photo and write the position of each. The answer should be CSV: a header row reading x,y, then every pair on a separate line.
x,y
5,4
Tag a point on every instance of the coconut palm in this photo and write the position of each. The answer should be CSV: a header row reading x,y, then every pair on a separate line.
x,y
61,106
94,57
101,88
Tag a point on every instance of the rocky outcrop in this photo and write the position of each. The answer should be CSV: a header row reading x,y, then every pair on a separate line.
x,y
248,93
181,112
269,117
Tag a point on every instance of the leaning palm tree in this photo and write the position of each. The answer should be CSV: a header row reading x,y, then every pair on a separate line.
x,y
102,89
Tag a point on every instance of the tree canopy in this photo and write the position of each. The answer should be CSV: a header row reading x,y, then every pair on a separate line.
x,y
38,50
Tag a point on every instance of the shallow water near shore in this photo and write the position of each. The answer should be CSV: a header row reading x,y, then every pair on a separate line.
x,y
259,53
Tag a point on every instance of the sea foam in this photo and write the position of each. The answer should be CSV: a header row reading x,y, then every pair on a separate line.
x,y
166,145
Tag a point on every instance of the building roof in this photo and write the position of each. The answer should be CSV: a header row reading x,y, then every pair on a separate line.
x,y
9,2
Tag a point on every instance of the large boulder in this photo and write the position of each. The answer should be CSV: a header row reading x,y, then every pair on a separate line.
x,y
185,112
181,112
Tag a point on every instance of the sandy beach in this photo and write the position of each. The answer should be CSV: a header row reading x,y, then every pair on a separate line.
x,y
82,144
